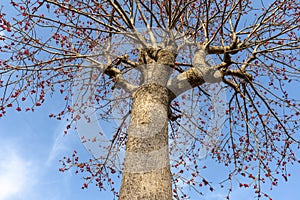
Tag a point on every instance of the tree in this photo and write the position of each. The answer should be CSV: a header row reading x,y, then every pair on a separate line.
x,y
74,47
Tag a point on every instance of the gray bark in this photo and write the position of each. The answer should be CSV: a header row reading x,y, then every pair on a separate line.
x,y
146,169
147,174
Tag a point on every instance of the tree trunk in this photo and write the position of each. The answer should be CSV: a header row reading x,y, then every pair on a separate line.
x,y
147,168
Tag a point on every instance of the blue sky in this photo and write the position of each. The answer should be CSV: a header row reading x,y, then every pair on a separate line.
x,y
31,144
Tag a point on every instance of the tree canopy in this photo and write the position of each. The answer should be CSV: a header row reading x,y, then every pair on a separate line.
x,y
246,51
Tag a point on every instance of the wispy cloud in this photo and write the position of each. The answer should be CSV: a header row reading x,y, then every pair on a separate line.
x,y
60,144
29,170
17,175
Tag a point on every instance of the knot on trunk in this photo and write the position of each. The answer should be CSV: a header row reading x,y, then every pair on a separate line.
x,y
166,57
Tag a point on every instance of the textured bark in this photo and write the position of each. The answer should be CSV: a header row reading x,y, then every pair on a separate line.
x,y
146,169
146,172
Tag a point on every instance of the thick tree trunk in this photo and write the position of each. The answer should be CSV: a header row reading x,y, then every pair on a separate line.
x,y
147,168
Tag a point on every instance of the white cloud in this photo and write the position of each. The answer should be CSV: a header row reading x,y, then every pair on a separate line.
x,y
62,144
16,173
24,176
58,146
